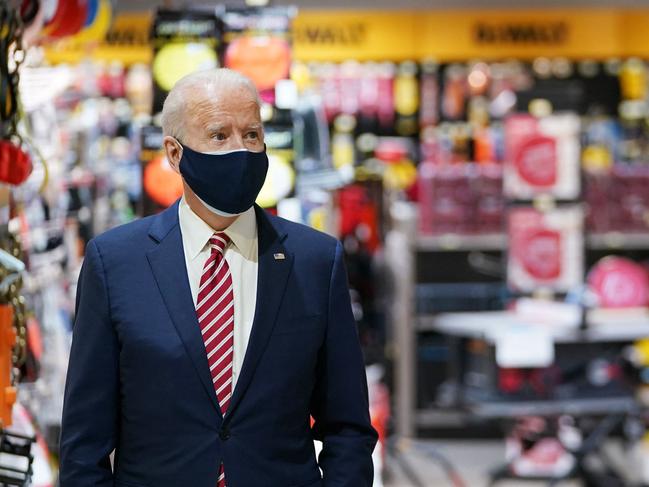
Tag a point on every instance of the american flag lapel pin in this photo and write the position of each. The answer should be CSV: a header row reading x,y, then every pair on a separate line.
x,y
279,256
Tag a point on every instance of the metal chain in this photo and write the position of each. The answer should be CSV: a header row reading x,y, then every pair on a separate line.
x,y
14,247
18,58
12,296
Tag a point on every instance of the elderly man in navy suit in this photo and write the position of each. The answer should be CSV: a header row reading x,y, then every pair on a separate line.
x,y
207,336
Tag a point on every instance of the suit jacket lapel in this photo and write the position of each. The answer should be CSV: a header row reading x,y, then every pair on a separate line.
x,y
271,284
169,268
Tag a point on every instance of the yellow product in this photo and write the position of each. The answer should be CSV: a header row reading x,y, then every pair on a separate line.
x,y
596,158
400,175
406,90
177,59
279,181
633,80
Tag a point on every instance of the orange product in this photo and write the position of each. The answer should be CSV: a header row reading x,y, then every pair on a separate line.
x,y
7,342
264,59
161,183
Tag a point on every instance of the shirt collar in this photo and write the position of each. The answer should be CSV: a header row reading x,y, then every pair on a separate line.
x,y
196,233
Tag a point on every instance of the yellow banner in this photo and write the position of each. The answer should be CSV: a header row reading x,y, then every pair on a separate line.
x,y
461,35
336,36
523,34
444,35
127,41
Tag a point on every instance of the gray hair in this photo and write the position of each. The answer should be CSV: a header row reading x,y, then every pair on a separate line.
x,y
175,104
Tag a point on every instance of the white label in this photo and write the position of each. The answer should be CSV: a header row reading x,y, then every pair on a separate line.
x,y
524,346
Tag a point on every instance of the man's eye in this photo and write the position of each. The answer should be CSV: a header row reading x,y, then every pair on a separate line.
x,y
220,136
253,135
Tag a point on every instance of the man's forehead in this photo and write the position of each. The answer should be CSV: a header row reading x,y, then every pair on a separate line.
x,y
222,93
242,100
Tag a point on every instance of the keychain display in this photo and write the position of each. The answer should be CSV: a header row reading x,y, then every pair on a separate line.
x,y
15,162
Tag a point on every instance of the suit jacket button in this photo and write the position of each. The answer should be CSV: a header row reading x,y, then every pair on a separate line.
x,y
224,434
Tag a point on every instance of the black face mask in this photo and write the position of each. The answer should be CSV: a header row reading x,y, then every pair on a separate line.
x,y
226,182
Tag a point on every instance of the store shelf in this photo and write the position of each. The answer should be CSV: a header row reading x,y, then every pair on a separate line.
x,y
329,179
618,240
498,241
457,242
430,418
554,407
426,322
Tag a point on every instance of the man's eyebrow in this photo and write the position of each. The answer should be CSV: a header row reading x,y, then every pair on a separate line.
x,y
214,127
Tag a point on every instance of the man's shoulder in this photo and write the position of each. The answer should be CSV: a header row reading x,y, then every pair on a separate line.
x,y
302,235
127,237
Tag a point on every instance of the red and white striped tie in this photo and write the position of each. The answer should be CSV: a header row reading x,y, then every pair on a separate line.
x,y
215,311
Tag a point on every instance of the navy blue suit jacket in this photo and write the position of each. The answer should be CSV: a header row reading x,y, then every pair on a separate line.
x,y
138,380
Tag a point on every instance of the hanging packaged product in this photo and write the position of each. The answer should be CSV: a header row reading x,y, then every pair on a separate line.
x,y
633,80
386,114
368,98
406,99
350,87
546,249
542,157
360,214
446,199
184,41
455,92
397,155
342,142
258,45
429,89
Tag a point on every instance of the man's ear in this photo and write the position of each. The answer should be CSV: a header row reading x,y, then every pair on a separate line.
x,y
173,151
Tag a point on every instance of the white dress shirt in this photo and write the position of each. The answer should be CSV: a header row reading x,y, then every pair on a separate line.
x,y
242,257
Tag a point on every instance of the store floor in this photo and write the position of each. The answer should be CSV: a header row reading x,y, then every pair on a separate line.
x,y
473,460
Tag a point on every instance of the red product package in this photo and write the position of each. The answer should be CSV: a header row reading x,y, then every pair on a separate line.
x,y
546,249
619,283
542,156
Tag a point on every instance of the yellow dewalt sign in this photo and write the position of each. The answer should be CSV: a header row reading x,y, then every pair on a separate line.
x,y
460,35
444,35
514,33
126,41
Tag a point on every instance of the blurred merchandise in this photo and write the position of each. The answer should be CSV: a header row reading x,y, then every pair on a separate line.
x,y
542,157
465,199
533,452
618,282
189,40
546,249
258,45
